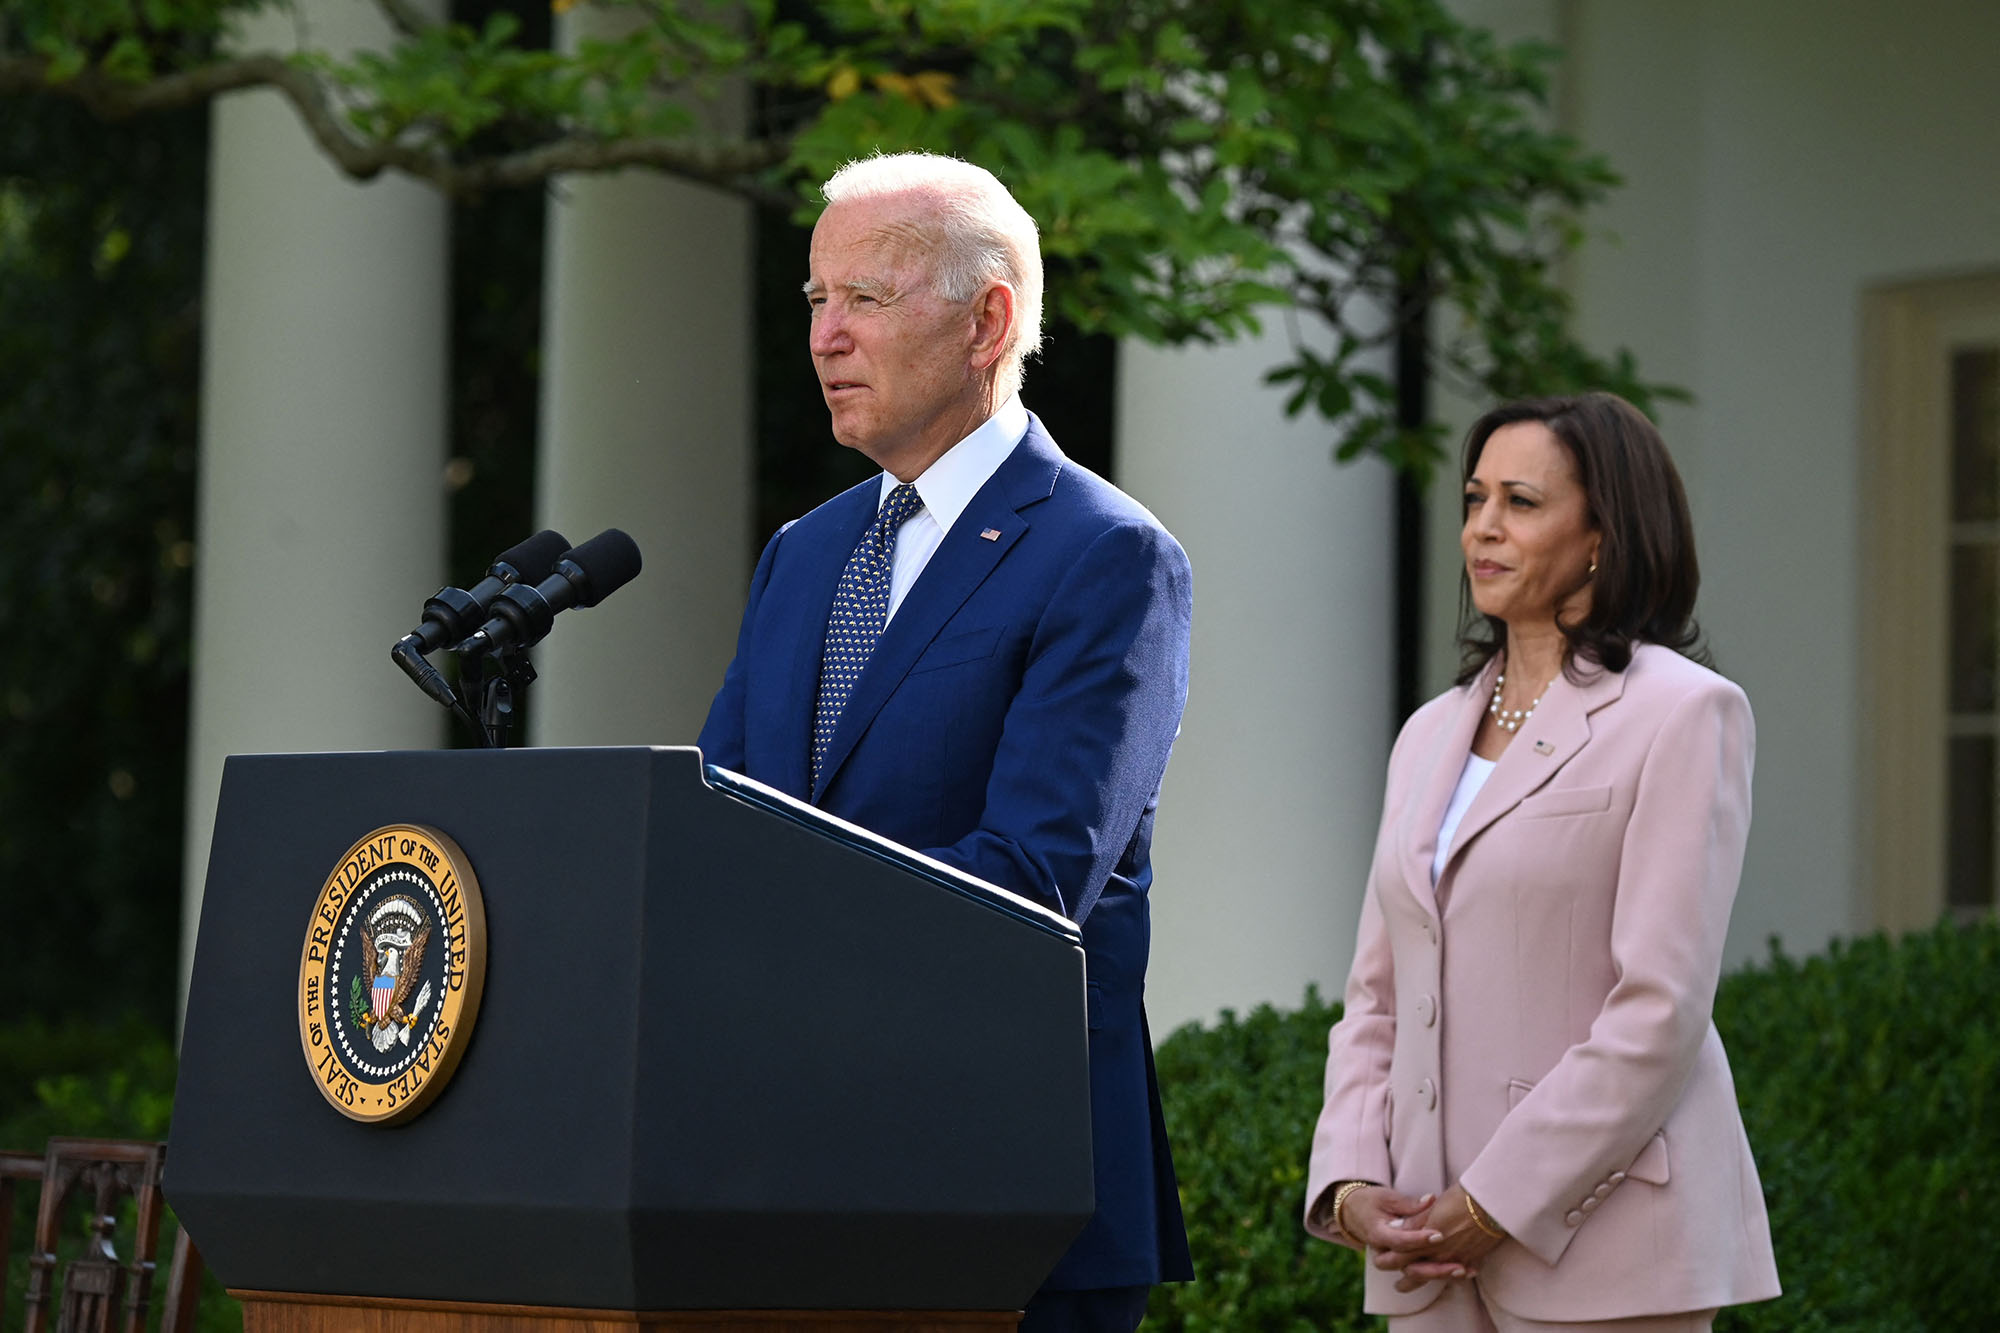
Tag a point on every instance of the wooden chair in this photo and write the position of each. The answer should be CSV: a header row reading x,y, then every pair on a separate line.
x,y
15,1167
99,1292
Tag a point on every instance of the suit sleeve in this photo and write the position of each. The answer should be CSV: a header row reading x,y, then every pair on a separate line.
x,y
721,739
1086,737
1678,869
1351,1138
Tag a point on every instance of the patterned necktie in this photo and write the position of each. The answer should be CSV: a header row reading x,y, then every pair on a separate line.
x,y
860,610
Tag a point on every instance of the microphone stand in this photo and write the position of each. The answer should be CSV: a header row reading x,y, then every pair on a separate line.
x,y
504,677
496,679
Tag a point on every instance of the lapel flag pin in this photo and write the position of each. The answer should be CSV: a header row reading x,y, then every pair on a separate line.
x,y
990,534
1543,747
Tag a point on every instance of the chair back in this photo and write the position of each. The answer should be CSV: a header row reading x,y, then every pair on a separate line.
x,y
17,1169
97,1290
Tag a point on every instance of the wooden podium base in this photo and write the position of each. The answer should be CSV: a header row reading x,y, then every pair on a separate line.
x,y
299,1312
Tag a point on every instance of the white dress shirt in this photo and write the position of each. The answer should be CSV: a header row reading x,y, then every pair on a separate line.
x,y
947,487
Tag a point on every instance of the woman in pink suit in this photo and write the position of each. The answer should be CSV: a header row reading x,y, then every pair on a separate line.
x,y
1529,1119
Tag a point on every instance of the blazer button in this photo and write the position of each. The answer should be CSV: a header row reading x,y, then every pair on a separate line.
x,y
1602,1191
1428,1091
1587,1206
1427,1010
1618,1177
1430,931
1572,1218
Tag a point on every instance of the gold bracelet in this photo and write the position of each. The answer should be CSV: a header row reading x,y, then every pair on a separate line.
x,y
1480,1220
1340,1202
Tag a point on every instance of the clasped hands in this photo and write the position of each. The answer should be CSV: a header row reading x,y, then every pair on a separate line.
x,y
1425,1238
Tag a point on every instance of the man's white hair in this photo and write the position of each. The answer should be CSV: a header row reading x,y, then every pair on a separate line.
x,y
982,235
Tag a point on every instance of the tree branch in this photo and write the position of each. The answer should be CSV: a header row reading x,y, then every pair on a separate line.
x,y
725,165
116,99
407,18
729,165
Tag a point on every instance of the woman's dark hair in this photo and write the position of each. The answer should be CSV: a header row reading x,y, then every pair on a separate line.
x,y
1647,576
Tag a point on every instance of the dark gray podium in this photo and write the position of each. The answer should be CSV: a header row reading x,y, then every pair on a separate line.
x,y
732,1055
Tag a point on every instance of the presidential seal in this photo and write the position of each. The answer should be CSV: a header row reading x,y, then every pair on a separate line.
x,y
390,976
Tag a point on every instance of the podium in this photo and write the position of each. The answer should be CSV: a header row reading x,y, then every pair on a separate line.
x,y
735,1065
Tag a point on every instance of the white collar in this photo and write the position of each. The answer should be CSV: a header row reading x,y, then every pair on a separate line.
x,y
948,485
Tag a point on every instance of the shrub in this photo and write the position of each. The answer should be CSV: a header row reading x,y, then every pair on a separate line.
x,y
1241,1098
1870,1085
112,1080
102,1081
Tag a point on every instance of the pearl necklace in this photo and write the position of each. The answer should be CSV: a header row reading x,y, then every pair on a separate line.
x,y
1510,719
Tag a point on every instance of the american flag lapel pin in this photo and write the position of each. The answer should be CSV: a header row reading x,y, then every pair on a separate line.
x,y
990,534
1543,747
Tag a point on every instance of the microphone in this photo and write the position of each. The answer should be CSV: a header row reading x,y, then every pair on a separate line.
x,y
524,614
453,613
450,613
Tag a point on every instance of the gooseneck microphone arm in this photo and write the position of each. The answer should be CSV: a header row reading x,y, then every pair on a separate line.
x,y
428,678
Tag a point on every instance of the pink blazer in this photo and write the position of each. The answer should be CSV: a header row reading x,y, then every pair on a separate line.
x,y
1538,1026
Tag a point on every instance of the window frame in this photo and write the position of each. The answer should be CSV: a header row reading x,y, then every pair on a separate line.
x,y
1908,332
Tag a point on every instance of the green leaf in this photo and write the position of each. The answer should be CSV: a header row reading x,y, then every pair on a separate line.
x,y
1192,167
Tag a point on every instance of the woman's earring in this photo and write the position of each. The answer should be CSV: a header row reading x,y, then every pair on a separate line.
x,y
1592,571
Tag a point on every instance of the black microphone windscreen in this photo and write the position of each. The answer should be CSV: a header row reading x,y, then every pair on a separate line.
x,y
534,559
608,561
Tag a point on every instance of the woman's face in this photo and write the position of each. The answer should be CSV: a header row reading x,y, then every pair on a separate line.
x,y
1528,539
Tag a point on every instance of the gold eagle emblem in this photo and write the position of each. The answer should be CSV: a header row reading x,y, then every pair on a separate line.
x,y
393,940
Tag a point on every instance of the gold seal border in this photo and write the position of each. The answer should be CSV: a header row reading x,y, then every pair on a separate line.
x,y
397,1099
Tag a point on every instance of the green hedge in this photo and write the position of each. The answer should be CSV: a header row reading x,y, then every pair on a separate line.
x,y
1870,1085
112,1080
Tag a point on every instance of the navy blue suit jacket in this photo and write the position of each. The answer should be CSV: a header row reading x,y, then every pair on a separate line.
x,y
1014,722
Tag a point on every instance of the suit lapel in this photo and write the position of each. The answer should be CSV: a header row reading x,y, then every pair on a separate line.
x,y
817,581
959,565
1547,741
1434,789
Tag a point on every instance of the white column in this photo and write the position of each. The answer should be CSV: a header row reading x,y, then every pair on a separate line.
x,y
1268,815
645,426
320,510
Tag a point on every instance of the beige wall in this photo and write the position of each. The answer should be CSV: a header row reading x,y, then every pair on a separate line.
x,y
1780,159
1268,813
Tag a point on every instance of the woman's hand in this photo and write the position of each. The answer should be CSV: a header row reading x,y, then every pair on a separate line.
x,y
1452,1243
1387,1221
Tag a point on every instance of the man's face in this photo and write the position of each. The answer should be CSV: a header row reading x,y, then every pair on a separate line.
x,y
895,360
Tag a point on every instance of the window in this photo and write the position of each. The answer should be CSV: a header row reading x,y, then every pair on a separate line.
x,y
1973,744
1931,600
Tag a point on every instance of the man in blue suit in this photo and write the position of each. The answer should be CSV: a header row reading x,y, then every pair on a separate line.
x,y
981,653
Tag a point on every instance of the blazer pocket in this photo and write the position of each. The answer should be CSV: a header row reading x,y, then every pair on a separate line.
x,y
967,647
1565,801
1517,1088
1651,1163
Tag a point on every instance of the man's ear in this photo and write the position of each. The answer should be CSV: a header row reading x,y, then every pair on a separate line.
x,y
992,323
